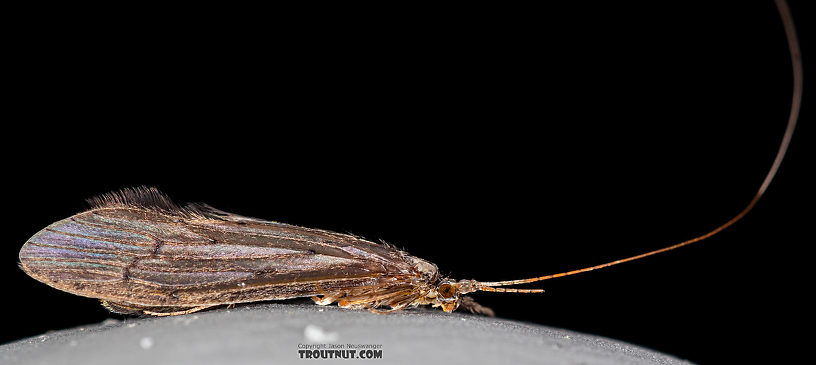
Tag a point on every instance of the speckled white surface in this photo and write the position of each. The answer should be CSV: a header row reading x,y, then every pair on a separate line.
x,y
272,333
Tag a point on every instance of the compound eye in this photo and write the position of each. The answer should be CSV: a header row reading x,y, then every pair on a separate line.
x,y
446,290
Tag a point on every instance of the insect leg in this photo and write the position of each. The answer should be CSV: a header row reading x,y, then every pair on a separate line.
x,y
121,308
326,299
374,310
397,302
127,308
468,304
176,313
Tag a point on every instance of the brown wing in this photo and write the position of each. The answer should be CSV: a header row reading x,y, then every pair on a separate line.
x,y
126,250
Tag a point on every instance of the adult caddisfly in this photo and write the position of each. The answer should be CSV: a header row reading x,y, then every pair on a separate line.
x,y
140,253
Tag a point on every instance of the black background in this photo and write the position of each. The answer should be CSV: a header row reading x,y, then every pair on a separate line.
x,y
498,143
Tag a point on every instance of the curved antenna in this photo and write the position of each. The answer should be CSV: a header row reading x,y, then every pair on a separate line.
x,y
796,59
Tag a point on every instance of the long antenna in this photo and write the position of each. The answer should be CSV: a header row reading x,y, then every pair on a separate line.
x,y
796,59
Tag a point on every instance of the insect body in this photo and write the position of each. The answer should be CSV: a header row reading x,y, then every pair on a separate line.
x,y
140,253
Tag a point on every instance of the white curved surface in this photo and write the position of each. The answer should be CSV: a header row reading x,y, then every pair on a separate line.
x,y
271,333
